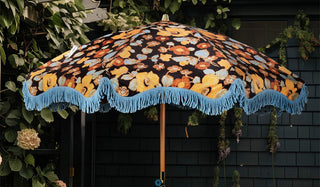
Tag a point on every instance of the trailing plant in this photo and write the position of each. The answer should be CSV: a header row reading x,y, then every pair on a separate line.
x,y
223,143
216,172
299,30
58,25
238,123
235,179
193,120
273,141
124,123
151,113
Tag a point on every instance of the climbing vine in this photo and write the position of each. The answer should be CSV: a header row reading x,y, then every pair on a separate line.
x,y
299,30
30,34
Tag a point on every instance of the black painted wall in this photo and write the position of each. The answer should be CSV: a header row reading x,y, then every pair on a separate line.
x,y
132,160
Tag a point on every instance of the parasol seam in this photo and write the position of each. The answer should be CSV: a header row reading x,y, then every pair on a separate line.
x,y
58,98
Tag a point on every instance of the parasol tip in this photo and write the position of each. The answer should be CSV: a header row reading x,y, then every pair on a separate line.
x,y
165,17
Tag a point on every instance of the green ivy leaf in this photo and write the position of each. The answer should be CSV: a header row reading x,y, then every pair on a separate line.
x,y
51,176
167,3
195,2
28,115
29,160
26,172
15,150
3,55
15,164
20,78
47,115
37,183
63,113
56,19
15,60
4,107
11,86
13,117
10,135
4,167
174,6
236,23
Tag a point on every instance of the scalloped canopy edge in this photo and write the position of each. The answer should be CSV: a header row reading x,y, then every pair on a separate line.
x,y
61,97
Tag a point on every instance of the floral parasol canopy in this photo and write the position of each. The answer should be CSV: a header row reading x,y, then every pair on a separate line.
x,y
164,62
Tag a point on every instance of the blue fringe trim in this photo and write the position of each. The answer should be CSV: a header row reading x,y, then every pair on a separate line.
x,y
61,97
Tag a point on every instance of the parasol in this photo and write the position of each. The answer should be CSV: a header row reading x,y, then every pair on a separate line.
x,y
164,62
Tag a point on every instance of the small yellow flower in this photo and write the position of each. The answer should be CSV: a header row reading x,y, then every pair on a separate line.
x,y
125,52
86,87
224,63
165,57
184,63
119,71
209,81
49,81
146,81
173,31
125,35
257,83
59,57
35,73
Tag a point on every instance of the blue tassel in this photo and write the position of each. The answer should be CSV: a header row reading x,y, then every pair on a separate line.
x,y
58,98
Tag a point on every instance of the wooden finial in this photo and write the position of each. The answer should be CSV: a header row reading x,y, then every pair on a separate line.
x,y
165,17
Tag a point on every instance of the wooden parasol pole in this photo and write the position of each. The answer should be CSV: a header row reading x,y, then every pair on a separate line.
x,y
162,142
165,17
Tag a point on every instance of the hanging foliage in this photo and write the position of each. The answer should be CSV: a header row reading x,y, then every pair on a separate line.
x,y
216,172
124,123
273,141
151,113
238,123
299,30
235,179
223,143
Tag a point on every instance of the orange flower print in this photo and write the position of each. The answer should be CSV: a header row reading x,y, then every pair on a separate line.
x,y
107,42
92,47
185,72
140,66
174,68
147,37
242,53
252,51
118,61
184,82
159,66
123,91
162,49
202,65
203,45
180,50
229,79
101,53
33,90
162,38
153,43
